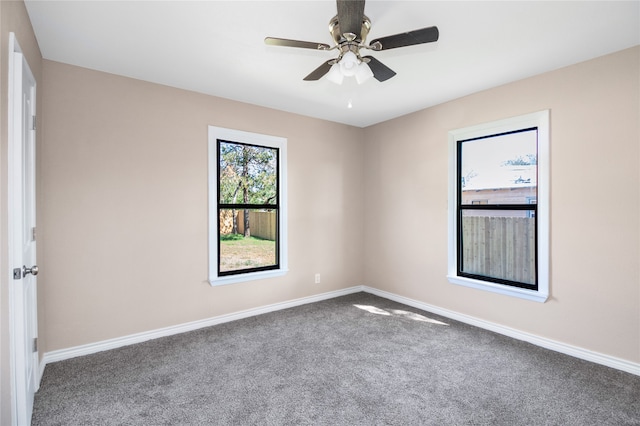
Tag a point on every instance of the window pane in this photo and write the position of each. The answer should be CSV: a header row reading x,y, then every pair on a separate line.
x,y
248,174
499,244
499,169
247,239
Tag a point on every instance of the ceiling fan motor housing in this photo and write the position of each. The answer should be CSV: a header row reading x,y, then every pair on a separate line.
x,y
338,36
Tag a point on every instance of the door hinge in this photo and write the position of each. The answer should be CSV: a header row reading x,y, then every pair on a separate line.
x,y
33,233
35,344
17,273
33,121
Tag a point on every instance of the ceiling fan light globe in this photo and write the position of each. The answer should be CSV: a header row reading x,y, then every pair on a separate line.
x,y
363,73
334,75
349,64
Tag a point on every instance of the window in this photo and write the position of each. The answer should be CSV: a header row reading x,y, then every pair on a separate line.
x,y
247,206
499,208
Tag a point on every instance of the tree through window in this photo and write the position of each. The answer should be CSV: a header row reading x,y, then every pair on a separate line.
x,y
247,217
248,207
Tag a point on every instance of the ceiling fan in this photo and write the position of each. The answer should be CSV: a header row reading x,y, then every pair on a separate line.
x,y
349,30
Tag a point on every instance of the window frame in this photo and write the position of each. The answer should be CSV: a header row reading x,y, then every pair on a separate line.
x,y
540,121
216,134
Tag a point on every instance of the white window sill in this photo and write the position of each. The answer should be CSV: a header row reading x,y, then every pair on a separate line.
x,y
523,293
230,279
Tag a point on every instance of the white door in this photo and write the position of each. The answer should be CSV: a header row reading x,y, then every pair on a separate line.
x,y
22,228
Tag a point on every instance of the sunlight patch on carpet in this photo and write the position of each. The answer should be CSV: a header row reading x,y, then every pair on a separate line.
x,y
398,312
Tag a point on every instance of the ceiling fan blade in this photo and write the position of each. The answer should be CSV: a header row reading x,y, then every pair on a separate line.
x,y
380,71
424,35
350,16
319,72
273,41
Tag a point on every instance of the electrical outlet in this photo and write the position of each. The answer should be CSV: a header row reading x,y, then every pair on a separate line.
x,y
318,278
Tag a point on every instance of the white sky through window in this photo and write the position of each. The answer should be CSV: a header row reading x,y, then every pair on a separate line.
x,y
484,161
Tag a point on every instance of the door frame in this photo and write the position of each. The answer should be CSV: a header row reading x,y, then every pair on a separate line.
x,y
21,402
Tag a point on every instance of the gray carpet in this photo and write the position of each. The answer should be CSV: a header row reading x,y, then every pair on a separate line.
x,y
353,360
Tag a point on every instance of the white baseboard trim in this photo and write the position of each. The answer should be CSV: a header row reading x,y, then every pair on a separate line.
x,y
91,348
581,353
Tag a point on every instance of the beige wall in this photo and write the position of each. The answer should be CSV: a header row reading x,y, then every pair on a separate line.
x,y
13,18
595,196
125,193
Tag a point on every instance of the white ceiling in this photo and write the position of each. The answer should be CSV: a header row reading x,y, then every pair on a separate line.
x,y
217,48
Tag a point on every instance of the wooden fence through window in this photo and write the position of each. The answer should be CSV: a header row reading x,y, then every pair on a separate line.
x,y
261,224
499,247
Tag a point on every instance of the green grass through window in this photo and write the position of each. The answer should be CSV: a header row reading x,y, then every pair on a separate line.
x,y
238,252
